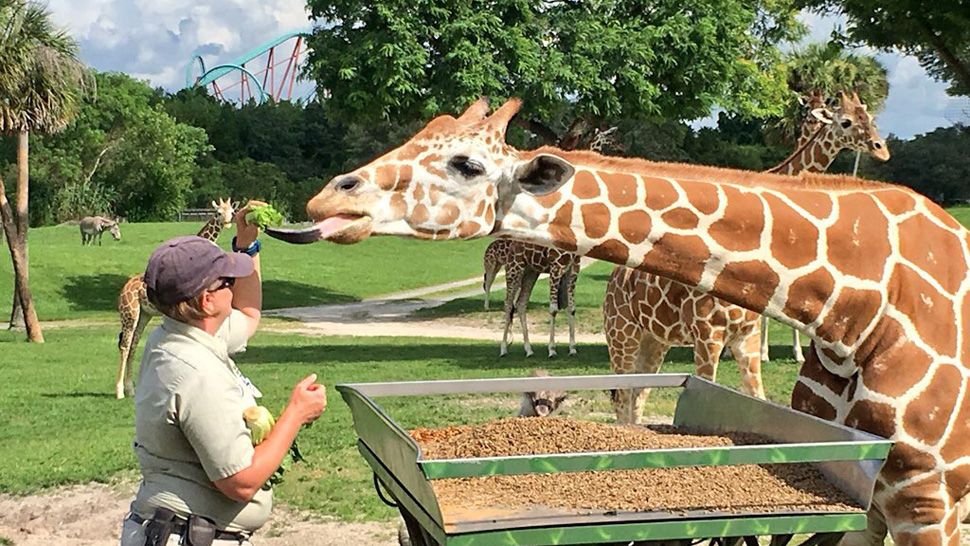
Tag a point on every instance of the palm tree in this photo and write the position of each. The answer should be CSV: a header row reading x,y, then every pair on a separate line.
x,y
828,68
41,80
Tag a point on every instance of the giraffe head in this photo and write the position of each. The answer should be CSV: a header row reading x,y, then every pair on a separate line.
x,y
852,126
813,105
452,180
224,211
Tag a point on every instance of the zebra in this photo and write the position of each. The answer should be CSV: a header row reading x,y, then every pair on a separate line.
x,y
94,226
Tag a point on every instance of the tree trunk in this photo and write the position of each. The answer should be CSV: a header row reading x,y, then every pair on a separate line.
x,y
16,310
21,224
19,268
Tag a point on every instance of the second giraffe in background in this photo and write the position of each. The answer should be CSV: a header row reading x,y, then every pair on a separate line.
x,y
523,264
135,310
644,314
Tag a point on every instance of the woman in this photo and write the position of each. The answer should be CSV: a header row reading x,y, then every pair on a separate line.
x,y
202,477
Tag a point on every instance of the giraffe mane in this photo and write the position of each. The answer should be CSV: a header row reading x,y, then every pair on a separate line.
x,y
685,171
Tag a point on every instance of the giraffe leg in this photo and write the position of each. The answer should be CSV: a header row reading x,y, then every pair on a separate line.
x,y
707,354
554,294
797,346
143,319
129,318
748,356
513,278
764,339
622,342
525,292
649,357
571,306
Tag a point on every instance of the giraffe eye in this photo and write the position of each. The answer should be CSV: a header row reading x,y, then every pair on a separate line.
x,y
469,168
846,123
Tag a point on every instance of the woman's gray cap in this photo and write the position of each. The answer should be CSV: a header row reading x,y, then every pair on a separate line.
x,y
183,267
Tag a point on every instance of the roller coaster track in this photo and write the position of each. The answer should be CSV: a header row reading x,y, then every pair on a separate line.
x,y
236,81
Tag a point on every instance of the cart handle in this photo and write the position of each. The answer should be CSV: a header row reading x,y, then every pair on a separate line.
x,y
380,494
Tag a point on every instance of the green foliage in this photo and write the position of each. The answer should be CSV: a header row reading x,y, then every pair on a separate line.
x,y
934,164
41,78
937,33
123,153
569,61
827,68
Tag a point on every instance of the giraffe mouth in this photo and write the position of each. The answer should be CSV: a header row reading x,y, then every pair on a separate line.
x,y
341,228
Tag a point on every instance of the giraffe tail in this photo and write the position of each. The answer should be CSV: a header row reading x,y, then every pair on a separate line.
x,y
562,298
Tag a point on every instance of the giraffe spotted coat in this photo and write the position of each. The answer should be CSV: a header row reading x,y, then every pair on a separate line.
x,y
638,343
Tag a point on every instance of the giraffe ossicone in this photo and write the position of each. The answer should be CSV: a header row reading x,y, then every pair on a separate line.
x,y
876,274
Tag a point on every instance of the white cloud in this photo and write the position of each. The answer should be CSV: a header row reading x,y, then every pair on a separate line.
x,y
155,40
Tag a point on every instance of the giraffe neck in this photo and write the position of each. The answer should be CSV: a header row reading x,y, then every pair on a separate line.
x,y
814,154
211,229
752,239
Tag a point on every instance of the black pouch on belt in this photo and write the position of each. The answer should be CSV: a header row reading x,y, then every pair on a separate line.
x,y
202,531
160,527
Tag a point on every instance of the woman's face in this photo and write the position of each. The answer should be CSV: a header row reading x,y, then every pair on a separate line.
x,y
217,299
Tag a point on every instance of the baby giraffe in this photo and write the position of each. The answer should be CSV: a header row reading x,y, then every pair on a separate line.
x,y
540,403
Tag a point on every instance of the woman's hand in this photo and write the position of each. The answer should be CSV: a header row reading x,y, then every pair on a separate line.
x,y
246,233
309,399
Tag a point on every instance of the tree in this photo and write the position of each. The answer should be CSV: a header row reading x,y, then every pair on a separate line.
x,y
827,69
123,154
934,164
41,81
936,33
577,65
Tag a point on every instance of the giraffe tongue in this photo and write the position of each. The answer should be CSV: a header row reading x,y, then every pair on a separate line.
x,y
317,232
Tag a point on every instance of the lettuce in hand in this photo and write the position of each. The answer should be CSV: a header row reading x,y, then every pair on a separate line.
x,y
264,215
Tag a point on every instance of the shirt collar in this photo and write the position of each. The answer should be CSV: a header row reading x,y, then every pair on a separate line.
x,y
215,344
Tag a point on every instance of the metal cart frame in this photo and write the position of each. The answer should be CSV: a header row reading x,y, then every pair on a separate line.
x,y
848,458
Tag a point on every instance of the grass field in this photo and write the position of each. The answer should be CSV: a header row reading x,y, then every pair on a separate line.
x,y
60,424
70,281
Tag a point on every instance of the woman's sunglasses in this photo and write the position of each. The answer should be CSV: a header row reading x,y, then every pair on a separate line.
x,y
224,282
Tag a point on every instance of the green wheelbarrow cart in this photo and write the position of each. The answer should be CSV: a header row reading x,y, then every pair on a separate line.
x,y
848,459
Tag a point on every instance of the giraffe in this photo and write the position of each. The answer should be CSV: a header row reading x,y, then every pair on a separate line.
x,y
824,134
523,264
876,274
135,310
646,314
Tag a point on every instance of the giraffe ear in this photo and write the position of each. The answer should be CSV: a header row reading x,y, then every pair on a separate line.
x,y
822,115
543,174
214,205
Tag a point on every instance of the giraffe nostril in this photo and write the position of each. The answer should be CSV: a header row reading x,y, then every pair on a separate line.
x,y
348,183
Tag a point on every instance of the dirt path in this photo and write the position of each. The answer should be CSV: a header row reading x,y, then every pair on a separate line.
x,y
91,515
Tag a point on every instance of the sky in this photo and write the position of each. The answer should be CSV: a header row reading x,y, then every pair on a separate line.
x,y
154,41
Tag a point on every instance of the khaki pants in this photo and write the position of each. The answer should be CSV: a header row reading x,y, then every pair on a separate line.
x,y
133,534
